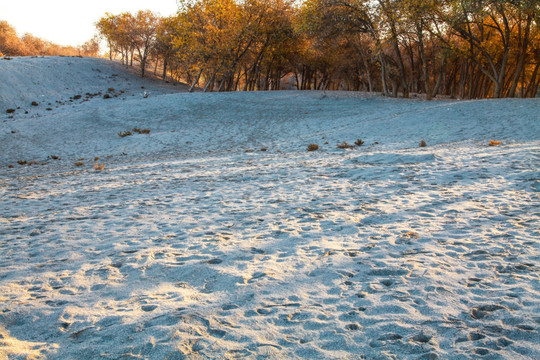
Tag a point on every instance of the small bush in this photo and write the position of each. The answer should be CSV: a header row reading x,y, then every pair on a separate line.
x,y
34,103
264,149
111,89
79,163
54,157
494,143
106,96
345,145
141,131
410,234
359,142
22,162
10,111
125,133
98,166
422,143
77,97
312,147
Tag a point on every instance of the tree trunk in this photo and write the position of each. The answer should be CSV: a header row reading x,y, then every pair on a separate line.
x,y
211,81
164,69
533,86
196,81
521,61
423,58
383,75
440,78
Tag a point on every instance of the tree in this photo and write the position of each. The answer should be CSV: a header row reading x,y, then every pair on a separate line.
x,y
10,44
142,35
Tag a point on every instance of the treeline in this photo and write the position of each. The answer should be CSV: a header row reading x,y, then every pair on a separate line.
x,y
28,45
458,48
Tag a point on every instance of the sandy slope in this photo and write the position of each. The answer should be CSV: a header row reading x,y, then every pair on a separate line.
x,y
189,246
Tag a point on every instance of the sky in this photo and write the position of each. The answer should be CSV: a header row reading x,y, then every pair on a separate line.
x,y
71,22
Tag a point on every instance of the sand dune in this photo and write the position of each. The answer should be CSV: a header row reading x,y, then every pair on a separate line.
x,y
193,243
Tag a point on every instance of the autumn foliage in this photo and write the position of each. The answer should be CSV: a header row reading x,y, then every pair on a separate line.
x,y
29,45
456,48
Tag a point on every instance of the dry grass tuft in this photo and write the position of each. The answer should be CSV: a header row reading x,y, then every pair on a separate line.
x,y
345,145
98,166
141,131
411,234
422,143
312,147
125,133
494,143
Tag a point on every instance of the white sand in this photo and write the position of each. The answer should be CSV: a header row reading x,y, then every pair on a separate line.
x,y
187,246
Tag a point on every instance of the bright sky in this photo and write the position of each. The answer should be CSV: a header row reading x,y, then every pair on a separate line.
x,y
71,22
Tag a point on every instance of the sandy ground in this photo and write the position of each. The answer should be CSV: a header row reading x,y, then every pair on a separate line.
x,y
194,243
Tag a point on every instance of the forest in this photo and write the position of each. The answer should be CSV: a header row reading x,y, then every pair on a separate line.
x,y
458,48
29,45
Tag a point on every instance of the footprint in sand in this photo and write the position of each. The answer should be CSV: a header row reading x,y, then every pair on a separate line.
x,y
481,351
214,261
480,312
422,338
148,308
352,327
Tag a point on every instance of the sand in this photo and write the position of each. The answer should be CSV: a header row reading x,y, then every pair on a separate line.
x,y
193,243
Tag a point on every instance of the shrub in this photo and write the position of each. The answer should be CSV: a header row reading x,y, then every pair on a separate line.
x,y
264,149
79,163
312,147
10,111
106,96
141,131
21,162
98,167
124,134
345,145
422,143
34,103
359,142
410,234
494,143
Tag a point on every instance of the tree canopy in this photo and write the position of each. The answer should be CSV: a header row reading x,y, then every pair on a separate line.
x,y
459,48
27,45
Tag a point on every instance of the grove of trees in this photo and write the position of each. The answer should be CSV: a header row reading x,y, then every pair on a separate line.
x,y
459,48
27,45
